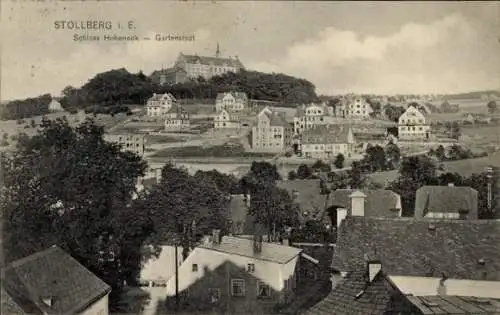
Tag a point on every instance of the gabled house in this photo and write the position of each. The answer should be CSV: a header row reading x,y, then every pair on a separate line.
x,y
176,118
231,101
135,143
55,106
226,119
52,282
353,108
310,116
159,104
272,133
237,275
446,202
413,125
326,142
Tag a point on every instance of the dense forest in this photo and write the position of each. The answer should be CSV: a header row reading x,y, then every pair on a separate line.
x,y
29,107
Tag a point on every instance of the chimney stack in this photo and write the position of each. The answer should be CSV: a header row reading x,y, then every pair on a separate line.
x,y
257,244
358,203
216,237
463,214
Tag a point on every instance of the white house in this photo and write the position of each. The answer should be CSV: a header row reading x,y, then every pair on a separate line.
x,y
232,101
159,104
158,270
413,125
308,117
354,107
226,119
327,141
55,106
272,133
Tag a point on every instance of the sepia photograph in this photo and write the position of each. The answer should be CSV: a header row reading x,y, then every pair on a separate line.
x,y
249,157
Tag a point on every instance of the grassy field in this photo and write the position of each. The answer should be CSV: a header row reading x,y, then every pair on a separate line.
x,y
221,151
481,136
164,139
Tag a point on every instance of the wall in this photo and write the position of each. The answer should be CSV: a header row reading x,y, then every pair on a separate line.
x,y
161,269
98,308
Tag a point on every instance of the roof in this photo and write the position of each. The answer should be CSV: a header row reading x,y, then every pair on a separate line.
x,y
306,193
450,304
445,199
376,298
277,119
8,305
232,245
177,109
327,134
172,70
237,95
212,61
412,247
378,202
159,97
52,273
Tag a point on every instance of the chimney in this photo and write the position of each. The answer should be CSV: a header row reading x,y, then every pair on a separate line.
x,y
257,244
341,214
373,268
358,203
451,185
441,290
215,237
463,214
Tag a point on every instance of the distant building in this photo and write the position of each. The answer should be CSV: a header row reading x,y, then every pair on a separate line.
x,y
231,101
159,104
326,142
413,125
176,118
130,142
238,275
307,117
52,282
55,106
172,75
353,108
272,133
446,202
225,119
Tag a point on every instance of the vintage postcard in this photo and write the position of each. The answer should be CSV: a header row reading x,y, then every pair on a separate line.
x,y
250,157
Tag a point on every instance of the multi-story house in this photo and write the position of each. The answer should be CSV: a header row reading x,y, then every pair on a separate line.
x,y
413,125
159,104
353,108
237,275
129,142
52,282
326,142
194,66
307,117
226,119
177,118
232,101
272,133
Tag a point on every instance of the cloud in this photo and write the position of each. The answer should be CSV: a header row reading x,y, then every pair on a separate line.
x,y
437,57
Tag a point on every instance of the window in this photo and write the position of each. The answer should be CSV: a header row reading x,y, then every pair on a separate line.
x,y
251,267
195,267
214,295
263,289
237,287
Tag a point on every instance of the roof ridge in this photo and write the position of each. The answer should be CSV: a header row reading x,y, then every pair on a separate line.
x,y
21,261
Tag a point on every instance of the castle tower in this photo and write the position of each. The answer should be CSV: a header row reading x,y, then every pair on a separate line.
x,y
217,53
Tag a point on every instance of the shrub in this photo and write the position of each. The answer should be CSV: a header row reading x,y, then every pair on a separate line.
x,y
4,143
5,136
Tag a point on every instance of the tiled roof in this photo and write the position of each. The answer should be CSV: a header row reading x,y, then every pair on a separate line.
x,y
327,134
379,297
172,70
430,247
9,306
213,61
446,199
159,97
378,202
277,119
237,95
177,109
306,193
450,304
52,273
280,254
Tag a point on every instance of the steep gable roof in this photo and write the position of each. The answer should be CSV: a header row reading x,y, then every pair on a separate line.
x,y
277,119
159,97
445,199
306,193
354,296
327,134
277,253
378,202
52,273
430,247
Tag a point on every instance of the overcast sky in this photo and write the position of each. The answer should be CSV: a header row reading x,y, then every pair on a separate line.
x,y
385,47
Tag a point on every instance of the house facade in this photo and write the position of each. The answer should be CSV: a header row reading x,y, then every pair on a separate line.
x,y
172,75
272,133
52,282
159,104
307,117
177,118
237,275
225,119
55,106
130,142
326,142
353,108
413,125
232,101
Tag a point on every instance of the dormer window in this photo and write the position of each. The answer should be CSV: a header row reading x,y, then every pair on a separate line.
x,y
251,267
